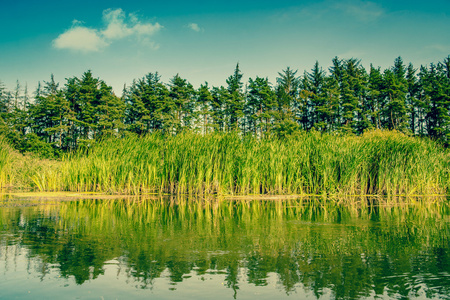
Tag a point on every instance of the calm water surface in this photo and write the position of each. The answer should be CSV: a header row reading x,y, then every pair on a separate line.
x,y
158,249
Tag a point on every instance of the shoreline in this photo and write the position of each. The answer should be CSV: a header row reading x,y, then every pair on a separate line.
x,y
64,196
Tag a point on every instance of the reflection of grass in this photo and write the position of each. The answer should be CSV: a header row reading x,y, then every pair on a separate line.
x,y
321,245
376,163
212,218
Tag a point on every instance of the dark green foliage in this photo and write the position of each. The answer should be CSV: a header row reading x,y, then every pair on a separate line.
x,y
291,109
204,102
219,98
85,109
110,113
344,98
395,89
412,97
375,101
32,143
181,104
352,94
261,102
318,105
436,99
235,100
147,105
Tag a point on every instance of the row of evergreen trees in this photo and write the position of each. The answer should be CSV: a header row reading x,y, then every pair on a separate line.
x,y
344,98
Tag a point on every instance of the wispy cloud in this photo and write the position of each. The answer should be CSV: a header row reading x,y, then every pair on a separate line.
x,y
359,10
195,27
439,47
354,53
117,26
366,11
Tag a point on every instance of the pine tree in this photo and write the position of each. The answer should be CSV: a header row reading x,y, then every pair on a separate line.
x,y
182,102
319,106
18,115
204,102
412,101
17,97
235,101
435,85
395,89
374,99
89,96
50,115
26,98
290,109
148,106
333,90
352,90
260,106
4,109
60,115
220,97
110,113
35,112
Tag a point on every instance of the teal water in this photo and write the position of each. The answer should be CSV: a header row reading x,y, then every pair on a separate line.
x,y
158,249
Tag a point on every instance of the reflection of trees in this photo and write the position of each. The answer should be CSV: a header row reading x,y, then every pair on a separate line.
x,y
352,258
82,259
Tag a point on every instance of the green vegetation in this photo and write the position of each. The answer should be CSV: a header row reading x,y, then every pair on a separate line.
x,y
339,131
18,170
5,163
346,98
375,163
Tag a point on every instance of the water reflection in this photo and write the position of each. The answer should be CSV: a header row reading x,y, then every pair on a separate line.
x,y
322,250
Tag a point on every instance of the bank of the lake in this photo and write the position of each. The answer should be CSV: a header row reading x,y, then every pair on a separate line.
x,y
309,163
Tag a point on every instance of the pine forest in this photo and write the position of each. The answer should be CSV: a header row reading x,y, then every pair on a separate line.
x,y
344,99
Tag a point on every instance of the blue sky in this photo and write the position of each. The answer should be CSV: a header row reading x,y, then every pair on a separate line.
x,y
203,40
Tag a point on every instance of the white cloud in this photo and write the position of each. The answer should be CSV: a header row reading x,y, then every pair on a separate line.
x,y
195,27
117,26
76,22
80,39
115,29
146,29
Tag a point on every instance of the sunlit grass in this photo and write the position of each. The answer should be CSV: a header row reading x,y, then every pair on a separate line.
x,y
376,163
19,172
5,163
384,163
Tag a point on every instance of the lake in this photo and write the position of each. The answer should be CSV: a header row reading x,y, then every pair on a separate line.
x,y
234,249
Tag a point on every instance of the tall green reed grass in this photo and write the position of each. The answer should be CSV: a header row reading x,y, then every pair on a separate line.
x,y
5,163
376,163
25,171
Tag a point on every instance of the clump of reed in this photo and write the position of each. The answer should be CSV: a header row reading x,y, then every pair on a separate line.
x,y
5,163
376,163
25,171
